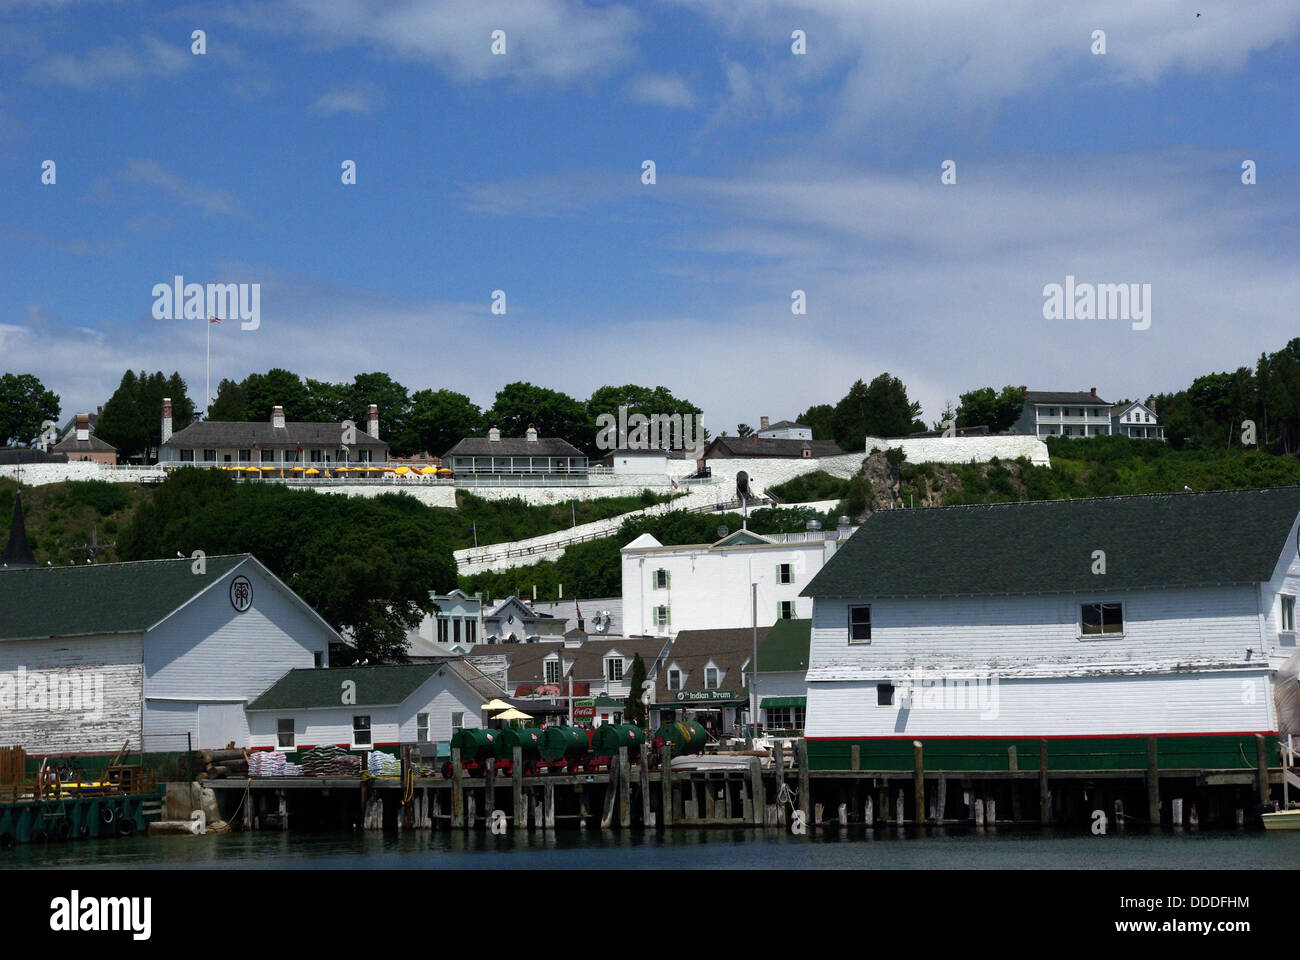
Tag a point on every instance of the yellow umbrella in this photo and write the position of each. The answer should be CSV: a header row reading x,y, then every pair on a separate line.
x,y
252,469
428,470
512,714
310,471
495,705
402,471
297,469
442,470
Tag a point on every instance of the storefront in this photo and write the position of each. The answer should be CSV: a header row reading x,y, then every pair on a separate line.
x,y
720,712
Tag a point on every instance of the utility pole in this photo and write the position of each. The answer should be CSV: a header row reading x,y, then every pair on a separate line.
x,y
753,666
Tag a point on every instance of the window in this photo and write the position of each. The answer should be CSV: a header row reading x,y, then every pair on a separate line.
x,y
471,631
674,679
1102,618
457,721
614,669
268,456
187,456
710,678
662,579
859,624
317,455
785,718
422,727
209,456
662,617
785,609
442,630
361,731
553,670
318,659
785,573
884,694
1288,614
245,456
284,733
455,630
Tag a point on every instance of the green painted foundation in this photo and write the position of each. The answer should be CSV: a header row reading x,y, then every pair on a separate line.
x,y
74,818
1228,752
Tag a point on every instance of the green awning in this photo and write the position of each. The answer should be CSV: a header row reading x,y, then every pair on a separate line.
x,y
783,702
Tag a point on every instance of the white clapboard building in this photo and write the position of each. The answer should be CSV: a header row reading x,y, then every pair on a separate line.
x,y
704,586
1090,623
96,656
370,706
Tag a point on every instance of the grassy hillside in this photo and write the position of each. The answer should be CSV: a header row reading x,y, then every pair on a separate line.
x,y
62,516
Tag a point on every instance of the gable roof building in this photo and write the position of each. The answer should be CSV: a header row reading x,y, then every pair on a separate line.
x,y
725,448
526,455
1113,618
1048,413
1136,421
277,440
164,653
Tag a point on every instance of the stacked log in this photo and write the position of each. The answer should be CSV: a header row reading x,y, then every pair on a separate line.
x,y
221,764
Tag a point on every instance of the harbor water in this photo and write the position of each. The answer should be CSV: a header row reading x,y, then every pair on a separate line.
x,y
680,849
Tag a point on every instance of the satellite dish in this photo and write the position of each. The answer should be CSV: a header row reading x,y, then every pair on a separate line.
x,y
742,484
722,530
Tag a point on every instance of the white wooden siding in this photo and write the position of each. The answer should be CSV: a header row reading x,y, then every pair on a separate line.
x,y
102,665
209,651
1225,702
1035,633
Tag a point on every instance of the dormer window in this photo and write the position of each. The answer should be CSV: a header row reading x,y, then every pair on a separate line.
x,y
613,669
552,668
710,677
674,679
1288,614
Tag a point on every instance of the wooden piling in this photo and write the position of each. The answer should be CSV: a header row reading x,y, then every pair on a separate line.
x,y
517,788
624,789
489,791
611,793
941,799
647,814
548,806
758,798
283,810
855,757
457,790
1261,768
805,785
918,781
1153,782
1044,791
666,784
778,758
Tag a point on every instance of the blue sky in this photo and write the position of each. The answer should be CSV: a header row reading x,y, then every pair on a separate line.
x,y
775,172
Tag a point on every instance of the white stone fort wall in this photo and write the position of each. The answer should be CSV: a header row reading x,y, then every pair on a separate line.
x,y
1007,446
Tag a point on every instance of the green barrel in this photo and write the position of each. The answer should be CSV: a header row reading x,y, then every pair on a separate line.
x,y
476,743
564,743
686,737
528,739
610,736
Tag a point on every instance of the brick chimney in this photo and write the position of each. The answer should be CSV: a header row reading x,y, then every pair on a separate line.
x,y
531,433
494,434
83,426
277,418
763,423
1094,393
166,419
372,420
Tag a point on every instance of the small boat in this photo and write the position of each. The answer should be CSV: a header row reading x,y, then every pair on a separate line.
x,y
1281,820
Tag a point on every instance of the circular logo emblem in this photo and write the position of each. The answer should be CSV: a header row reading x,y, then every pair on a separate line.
x,y
241,593
681,696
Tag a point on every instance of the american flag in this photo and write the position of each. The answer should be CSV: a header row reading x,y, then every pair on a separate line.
x,y
214,319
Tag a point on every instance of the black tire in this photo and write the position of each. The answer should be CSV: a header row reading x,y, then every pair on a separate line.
x,y
125,827
63,830
106,814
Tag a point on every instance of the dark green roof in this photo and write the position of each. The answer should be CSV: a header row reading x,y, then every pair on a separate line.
x,y
785,648
73,601
375,686
1046,546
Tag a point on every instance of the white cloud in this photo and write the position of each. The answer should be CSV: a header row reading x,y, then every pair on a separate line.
x,y
151,173
661,90
115,64
362,97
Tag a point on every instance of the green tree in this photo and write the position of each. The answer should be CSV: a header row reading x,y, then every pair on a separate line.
x,y
277,387
439,419
635,711
820,418
25,404
878,409
394,410
997,410
231,402
520,405
646,401
744,430
132,416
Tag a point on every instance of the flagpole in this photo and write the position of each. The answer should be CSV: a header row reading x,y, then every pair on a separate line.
x,y
207,372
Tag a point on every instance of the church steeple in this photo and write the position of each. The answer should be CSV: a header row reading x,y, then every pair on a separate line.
x,y
17,553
